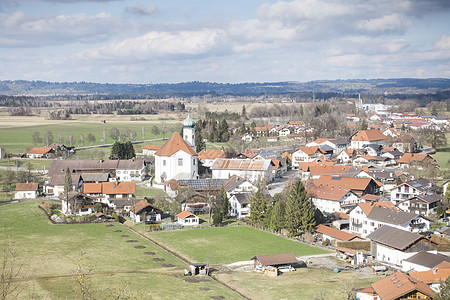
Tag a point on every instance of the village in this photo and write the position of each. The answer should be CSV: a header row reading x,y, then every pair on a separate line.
x,y
370,196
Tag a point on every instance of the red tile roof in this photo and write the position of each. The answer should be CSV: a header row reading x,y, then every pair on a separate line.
x,y
367,207
172,184
22,187
311,150
335,233
369,135
431,276
114,188
352,183
211,154
92,188
399,284
327,193
408,158
184,214
41,151
174,144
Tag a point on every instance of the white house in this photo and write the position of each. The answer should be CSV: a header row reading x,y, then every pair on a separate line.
x,y
130,170
424,261
247,138
421,204
252,170
368,217
392,245
84,205
366,137
346,155
38,152
176,159
186,218
26,190
410,189
240,205
207,156
55,184
330,199
306,154
107,192
150,150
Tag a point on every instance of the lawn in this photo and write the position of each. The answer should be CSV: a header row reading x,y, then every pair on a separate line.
x,y
229,244
149,192
36,164
442,155
48,255
305,283
17,138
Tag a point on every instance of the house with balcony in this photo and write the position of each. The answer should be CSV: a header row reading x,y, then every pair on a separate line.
x,y
108,192
368,217
306,154
421,204
410,189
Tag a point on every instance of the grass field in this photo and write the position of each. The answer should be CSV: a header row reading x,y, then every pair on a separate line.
x,y
229,244
16,132
48,254
305,283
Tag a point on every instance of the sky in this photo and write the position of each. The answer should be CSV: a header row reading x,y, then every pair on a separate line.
x,y
170,41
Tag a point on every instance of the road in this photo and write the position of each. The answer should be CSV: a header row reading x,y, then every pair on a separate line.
x,y
278,184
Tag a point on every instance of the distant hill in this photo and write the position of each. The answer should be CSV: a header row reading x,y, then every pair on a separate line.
x,y
363,86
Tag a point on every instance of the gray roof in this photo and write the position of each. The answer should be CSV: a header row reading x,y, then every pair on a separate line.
x,y
232,182
383,174
95,177
268,154
390,216
426,259
429,197
352,172
131,164
59,179
422,185
243,198
339,141
394,237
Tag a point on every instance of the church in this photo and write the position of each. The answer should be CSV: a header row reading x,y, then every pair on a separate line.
x,y
177,158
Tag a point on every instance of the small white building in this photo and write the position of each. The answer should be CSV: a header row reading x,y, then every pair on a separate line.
x,y
366,137
26,190
187,218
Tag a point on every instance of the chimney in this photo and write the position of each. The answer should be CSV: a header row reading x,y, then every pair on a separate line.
x,y
434,270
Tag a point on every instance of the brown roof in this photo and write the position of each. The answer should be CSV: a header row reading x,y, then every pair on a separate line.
x,y
138,207
296,123
335,233
114,188
311,150
276,259
352,183
327,168
399,284
174,144
367,207
232,182
37,150
370,197
172,184
327,193
92,188
305,166
211,154
408,158
369,135
184,214
431,276
151,147
21,187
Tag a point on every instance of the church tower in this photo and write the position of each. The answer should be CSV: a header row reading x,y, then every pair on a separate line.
x,y
189,131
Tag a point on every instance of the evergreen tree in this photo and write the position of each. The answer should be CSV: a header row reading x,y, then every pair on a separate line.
x,y
68,186
221,207
244,112
364,125
258,205
129,151
199,143
299,210
115,151
243,129
277,220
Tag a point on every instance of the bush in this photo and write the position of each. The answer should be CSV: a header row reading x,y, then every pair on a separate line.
x,y
326,243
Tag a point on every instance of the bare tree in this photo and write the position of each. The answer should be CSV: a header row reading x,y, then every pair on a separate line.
x,y
11,270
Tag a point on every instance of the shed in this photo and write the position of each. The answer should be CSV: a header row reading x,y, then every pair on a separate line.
x,y
265,262
198,269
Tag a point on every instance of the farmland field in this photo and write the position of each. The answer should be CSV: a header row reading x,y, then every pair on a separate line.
x,y
49,253
229,244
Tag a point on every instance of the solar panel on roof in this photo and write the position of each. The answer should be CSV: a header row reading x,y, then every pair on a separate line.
x,y
416,185
335,178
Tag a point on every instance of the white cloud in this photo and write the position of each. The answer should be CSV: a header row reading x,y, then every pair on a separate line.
x,y
158,44
393,23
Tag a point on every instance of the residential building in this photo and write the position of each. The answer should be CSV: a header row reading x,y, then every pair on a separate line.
x,y
306,154
144,211
433,277
421,204
84,204
346,155
410,189
330,199
55,184
150,150
359,186
392,245
366,137
186,218
108,192
424,261
368,217
38,152
26,190
240,205
334,235
395,287
416,159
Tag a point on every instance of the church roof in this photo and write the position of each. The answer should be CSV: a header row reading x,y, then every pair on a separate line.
x,y
174,144
188,122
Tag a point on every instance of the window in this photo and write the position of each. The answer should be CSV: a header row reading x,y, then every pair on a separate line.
x,y
372,224
180,161
193,161
164,162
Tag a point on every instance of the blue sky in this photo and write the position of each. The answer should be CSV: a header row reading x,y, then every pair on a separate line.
x,y
122,41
